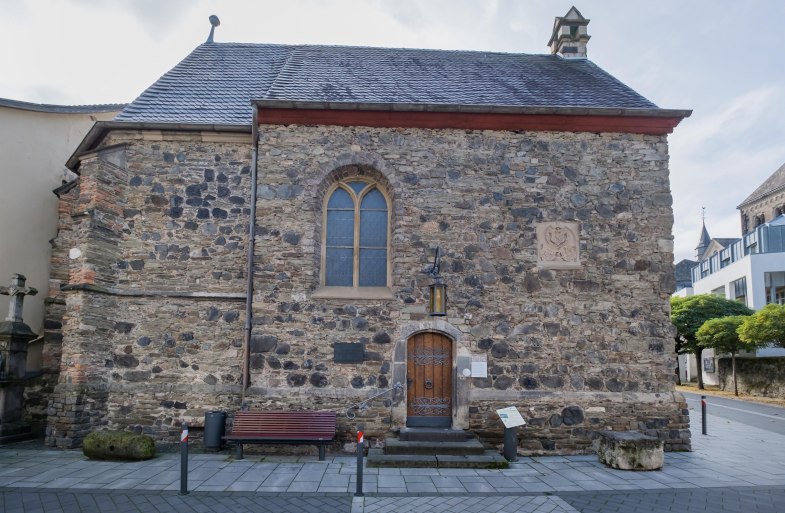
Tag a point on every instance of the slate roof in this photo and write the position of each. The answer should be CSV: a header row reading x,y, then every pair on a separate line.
x,y
704,240
725,242
61,109
772,184
217,81
683,273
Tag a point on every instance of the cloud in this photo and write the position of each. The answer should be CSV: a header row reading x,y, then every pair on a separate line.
x,y
157,17
715,130
718,159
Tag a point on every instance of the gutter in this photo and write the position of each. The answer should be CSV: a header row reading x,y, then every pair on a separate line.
x,y
249,263
654,111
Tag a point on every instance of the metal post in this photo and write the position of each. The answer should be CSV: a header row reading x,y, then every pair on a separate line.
x,y
703,412
184,460
511,444
360,444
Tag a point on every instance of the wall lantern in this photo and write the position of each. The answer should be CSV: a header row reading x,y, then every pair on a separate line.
x,y
437,302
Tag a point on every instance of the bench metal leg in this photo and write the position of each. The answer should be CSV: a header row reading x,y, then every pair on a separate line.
x,y
321,453
239,454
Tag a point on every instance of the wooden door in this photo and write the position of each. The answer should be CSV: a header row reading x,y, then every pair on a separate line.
x,y
429,381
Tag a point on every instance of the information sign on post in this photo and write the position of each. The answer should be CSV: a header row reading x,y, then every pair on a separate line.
x,y
511,417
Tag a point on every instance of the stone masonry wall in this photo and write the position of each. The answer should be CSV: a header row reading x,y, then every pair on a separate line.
x,y
597,340
154,306
154,298
38,392
766,207
754,376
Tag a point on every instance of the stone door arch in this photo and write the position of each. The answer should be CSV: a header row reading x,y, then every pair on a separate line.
x,y
461,360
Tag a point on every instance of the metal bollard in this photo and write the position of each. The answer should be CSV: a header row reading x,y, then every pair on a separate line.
x,y
184,460
511,444
360,447
703,412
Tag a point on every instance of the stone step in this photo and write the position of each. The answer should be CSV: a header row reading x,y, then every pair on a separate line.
x,y
394,445
488,459
434,434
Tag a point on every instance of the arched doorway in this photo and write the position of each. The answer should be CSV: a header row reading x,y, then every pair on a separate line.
x,y
429,380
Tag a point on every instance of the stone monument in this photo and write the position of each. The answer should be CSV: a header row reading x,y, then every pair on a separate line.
x,y
14,337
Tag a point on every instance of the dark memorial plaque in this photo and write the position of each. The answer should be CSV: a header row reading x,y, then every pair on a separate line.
x,y
349,353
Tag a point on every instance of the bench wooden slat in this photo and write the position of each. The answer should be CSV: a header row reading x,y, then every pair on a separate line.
x,y
303,427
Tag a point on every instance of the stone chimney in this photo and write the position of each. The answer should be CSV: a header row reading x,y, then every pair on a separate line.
x,y
569,36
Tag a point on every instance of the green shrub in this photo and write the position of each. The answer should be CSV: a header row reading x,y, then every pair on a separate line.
x,y
118,445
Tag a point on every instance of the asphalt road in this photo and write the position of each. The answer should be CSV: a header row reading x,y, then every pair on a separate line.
x,y
761,416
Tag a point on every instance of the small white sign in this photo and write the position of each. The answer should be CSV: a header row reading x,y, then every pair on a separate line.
x,y
479,366
511,417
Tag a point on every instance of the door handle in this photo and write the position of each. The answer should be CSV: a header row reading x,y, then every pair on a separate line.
x,y
409,381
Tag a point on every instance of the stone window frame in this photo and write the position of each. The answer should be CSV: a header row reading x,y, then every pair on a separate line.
x,y
354,292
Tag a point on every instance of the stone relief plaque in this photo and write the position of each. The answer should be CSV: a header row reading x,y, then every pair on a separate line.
x,y
558,245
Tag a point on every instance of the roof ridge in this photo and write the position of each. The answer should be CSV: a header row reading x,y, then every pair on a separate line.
x,y
310,46
63,109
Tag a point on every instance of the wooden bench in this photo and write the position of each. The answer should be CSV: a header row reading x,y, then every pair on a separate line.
x,y
283,427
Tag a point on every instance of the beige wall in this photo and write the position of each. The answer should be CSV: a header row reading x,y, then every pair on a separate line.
x,y
34,147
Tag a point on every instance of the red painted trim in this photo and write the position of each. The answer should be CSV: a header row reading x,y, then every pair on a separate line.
x,y
469,121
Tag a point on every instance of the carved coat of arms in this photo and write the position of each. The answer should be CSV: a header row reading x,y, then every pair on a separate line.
x,y
558,245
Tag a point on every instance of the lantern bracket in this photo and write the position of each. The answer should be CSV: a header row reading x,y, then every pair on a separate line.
x,y
433,270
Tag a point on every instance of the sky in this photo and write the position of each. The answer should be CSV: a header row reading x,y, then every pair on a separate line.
x,y
721,58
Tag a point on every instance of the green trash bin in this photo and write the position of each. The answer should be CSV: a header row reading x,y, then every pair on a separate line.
x,y
214,429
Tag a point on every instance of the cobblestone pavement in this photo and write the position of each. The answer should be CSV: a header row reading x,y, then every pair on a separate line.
x,y
89,501
736,468
725,500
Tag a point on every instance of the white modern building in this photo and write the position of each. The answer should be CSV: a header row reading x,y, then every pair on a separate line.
x,y
750,270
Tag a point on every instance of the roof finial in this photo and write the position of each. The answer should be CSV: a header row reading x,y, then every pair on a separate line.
x,y
214,21
705,239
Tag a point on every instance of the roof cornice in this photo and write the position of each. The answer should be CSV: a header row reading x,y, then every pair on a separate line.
x,y
652,121
100,129
498,109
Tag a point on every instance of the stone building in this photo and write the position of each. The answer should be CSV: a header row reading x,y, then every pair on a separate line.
x,y
765,204
542,179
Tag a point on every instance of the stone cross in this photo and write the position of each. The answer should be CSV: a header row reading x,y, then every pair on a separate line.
x,y
17,291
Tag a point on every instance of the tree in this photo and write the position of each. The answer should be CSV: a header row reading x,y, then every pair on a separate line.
x,y
689,313
720,334
765,326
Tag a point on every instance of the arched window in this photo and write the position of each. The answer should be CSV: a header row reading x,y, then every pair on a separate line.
x,y
355,247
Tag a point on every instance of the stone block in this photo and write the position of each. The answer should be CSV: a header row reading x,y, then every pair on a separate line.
x,y
118,445
630,450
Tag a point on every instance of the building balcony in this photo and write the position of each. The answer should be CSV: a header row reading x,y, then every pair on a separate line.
x,y
765,239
